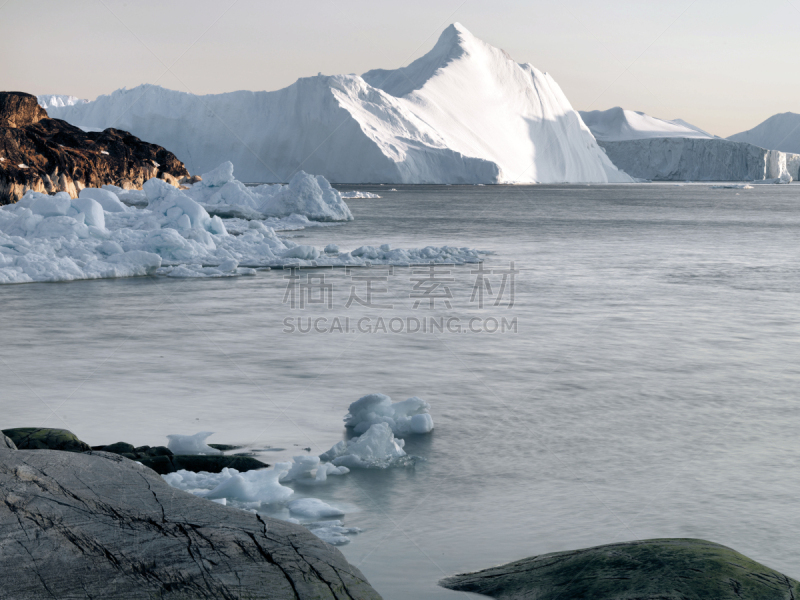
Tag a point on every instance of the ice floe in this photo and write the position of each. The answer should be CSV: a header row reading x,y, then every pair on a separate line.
x,y
408,416
353,195
110,232
376,448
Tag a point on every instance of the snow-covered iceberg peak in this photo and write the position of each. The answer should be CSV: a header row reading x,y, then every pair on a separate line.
x,y
465,112
484,104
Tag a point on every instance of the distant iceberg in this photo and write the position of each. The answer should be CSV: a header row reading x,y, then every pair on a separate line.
x,y
779,132
655,149
463,113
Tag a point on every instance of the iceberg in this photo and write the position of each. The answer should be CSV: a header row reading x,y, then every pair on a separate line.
x,y
654,149
404,418
779,132
465,112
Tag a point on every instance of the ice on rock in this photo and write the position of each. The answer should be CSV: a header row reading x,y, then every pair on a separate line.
x,y
376,448
406,417
313,508
191,444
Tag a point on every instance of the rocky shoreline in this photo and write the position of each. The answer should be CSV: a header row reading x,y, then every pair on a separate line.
x,y
159,458
49,155
94,524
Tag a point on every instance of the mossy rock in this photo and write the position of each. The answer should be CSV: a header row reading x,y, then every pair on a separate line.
x,y
37,438
662,569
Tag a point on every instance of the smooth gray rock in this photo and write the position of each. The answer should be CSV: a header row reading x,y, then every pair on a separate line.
x,y
663,569
97,525
6,443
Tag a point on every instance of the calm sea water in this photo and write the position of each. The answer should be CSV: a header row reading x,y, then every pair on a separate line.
x,y
650,390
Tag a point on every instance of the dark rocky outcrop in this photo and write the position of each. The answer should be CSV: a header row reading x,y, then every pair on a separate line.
x,y
663,569
40,438
196,463
95,525
162,460
58,157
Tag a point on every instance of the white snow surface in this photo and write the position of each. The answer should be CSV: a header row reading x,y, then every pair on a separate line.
x,y
404,418
463,113
56,238
58,100
617,124
377,448
779,132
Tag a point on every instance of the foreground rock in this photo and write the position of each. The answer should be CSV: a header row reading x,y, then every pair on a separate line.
x,y
665,569
49,155
96,525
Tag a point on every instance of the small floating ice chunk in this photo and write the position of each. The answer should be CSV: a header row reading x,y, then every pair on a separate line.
x,y
191,444
354,194
313,508
376,448
260,486
331,249
406,417
332,532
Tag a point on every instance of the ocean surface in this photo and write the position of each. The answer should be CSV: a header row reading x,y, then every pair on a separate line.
x,y
646,384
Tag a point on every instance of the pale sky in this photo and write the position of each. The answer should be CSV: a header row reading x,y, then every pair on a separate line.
x,y
724,66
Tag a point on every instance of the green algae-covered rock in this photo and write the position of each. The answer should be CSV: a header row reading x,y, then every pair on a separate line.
x,y
662,569
38,438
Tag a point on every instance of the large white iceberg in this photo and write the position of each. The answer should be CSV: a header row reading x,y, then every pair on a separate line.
x,y
404,418
57,238
463,113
